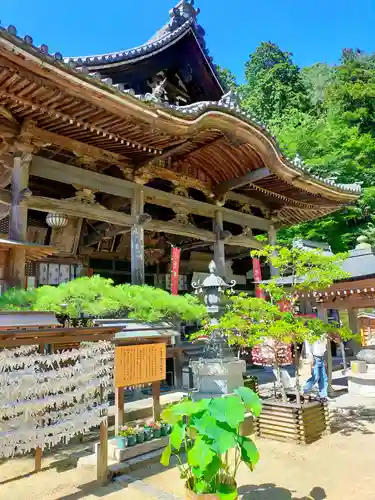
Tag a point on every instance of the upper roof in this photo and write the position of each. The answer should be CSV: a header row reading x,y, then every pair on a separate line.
x,y
183,21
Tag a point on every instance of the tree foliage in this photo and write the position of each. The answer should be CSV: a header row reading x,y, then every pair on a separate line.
x,y
227,78
327,115
251,321
98,297
273,83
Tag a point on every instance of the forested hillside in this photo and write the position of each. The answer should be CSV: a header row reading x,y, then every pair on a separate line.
x,y
326,115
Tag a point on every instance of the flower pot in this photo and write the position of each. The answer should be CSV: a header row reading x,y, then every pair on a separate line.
x,y
164,430
148,434
132,440
121,442
190,495
157,433
303,424
140,437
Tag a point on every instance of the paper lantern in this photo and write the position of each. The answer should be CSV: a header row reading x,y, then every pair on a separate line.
x,y
56,220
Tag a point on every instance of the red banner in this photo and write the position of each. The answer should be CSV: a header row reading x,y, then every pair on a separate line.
x,y
175,268
257,276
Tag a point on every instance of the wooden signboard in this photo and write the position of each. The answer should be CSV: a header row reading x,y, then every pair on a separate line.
x,y
140,364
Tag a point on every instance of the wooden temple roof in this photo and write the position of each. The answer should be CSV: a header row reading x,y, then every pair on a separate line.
x,y
213,145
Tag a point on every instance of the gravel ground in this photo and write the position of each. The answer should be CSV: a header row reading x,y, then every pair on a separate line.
x,y
338,467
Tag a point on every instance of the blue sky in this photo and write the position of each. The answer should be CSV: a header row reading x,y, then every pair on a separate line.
x,y
313,30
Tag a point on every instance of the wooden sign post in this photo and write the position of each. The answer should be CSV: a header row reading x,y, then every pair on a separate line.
x,y
137,365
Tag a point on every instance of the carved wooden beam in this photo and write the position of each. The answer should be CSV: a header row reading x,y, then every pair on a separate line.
x,y
244,241
152,171
247,200
56,171
101,231
188,230
77,209
30,130
250,177
165,154
96,212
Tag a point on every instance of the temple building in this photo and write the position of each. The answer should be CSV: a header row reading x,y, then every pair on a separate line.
x,y
112,159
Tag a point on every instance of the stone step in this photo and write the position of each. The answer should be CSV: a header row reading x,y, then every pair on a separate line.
x,y
133,464
144,460
91,461
118,469
147,455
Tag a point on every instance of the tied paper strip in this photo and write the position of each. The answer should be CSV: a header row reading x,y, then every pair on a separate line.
x,y
46,399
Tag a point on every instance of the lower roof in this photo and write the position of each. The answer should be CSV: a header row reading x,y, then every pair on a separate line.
x,y
33,251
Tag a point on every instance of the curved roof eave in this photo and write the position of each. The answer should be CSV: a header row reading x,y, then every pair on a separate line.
x,y
292,171
224,115
146,49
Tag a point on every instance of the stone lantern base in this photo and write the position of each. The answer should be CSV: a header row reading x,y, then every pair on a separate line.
x,y
213,378
361,378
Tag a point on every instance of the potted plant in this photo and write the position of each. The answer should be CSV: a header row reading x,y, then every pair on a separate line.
x,y
140,434
130,434
208,431
274,330
157,429
121,439
165,429
148,432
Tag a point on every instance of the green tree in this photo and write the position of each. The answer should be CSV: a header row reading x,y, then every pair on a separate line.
x,y
227,78
316,79
336,138
273,84
251,321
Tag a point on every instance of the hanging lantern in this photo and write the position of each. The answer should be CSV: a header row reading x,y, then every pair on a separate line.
x,y
56,220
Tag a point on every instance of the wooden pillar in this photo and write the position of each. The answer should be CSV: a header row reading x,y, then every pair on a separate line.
x,y
137,239
38,459
272,241
219,248
18,219
102,454
156,408
119,408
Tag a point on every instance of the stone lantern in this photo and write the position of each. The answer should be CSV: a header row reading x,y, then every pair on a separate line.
x,y
218,372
